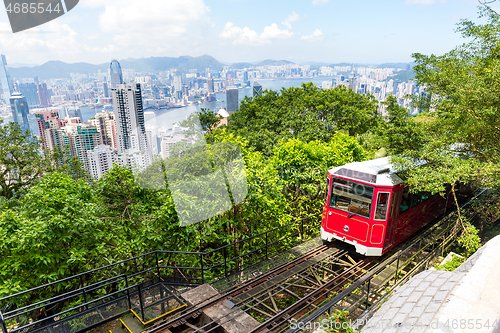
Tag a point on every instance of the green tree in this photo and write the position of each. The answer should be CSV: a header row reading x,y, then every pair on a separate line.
x,y
306,113
462,125
21,160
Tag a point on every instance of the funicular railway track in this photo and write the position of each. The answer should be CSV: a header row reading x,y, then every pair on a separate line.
x,y
293,289
305,286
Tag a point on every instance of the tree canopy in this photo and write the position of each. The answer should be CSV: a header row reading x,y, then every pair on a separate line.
x,y
306,113
459,136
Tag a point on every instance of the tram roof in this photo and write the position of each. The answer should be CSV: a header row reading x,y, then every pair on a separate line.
x,y
378,172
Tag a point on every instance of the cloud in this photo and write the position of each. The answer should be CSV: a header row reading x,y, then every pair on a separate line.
x,y
293,17
316,36
320,2
423,2
245,36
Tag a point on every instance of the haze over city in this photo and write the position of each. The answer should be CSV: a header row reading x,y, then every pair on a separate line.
x,y
242,31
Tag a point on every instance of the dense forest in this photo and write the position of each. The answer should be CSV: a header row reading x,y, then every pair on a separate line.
x,y
56,221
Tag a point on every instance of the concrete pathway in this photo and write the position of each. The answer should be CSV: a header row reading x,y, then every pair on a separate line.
x,y
465,300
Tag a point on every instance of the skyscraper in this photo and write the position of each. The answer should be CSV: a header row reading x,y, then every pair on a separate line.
x,y
30,91
352,80
257,89
74,112
20,110
210,83
232,99
105,89
6,81
47,122
43,95
129,118
115,74
105,124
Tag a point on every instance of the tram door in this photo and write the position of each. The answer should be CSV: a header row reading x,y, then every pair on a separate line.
x,y
392,219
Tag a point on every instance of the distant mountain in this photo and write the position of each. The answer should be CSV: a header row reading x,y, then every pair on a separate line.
x,y
270,62
55,70
59,69
401,65
242,65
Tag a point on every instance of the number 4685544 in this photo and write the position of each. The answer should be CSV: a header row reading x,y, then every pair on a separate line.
x,y
32,8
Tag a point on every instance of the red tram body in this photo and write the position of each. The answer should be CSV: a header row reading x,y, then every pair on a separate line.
x,y
368,206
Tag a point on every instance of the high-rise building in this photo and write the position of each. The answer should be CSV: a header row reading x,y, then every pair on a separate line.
x,y
74,112
6,81
210,83
43,95
129,118
101,159
245,76
45,121
232,99
115,74
105,124
352,80
81,138
257,89
20,110
30,91
105,89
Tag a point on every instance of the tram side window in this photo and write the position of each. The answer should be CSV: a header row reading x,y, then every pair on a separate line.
x,y
420,197
382,201
405,200
351,197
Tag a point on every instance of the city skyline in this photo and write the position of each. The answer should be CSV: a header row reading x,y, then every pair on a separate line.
x,y
239,31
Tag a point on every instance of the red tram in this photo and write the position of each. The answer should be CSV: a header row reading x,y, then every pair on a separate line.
x,y
368,205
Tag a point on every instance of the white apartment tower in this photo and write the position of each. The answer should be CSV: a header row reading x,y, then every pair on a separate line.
x,y
129,119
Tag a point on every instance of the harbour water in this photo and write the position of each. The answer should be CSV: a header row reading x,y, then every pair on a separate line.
x,y
165,118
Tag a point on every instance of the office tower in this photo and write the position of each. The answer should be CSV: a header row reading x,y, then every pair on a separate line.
x,y
74,112
6,81
101,159
30,91
257,89
210,83
105,124
115,74
35,79
43,95
20,110
245,76
105,89
178,83
352,80
129,118
232,99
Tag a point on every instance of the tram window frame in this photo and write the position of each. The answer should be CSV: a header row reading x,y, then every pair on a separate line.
x,y
363,204
325,200
384,218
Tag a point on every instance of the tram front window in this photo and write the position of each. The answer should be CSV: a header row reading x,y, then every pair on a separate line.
x,y
351,197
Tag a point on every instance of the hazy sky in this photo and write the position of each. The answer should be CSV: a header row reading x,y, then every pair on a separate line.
x,y
363,31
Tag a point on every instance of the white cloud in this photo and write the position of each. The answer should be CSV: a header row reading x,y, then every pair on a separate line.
x,y
245,36
423,2
320,2
316,36
294,17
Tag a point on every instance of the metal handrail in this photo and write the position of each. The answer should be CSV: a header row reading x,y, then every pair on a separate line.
x,y
156,265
